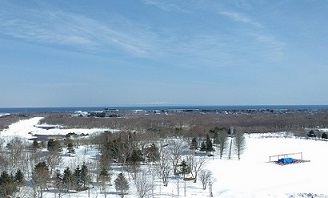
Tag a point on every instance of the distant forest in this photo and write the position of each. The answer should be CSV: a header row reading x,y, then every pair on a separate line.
x,y
198,123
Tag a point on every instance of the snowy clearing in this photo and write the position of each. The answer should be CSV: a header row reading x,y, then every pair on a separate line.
x,y
28,129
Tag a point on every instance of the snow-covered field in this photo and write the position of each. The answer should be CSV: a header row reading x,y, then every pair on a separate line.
x,y
28,129
252,176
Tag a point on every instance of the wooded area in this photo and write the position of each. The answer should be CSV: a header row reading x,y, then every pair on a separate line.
x,y
193,123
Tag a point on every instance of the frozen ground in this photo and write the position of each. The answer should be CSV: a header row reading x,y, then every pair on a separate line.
x,y
252,176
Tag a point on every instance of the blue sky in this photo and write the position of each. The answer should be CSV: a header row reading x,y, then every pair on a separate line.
x,y
155,52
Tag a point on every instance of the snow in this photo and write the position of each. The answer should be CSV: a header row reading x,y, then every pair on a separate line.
x,y
251,176
4,114
22,129
28,129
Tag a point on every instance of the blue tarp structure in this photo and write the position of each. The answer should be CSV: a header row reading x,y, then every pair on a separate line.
x,y
286,160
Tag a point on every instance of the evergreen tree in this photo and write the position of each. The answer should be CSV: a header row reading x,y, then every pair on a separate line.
x,y
40,176
104,177
58,181
77,177
103,172
7,184
203,146
121,184
135,157
19,177
194,144
231,131
68,179
185,169
311,134
70,147
35,145
54,146
85,178
209,145
4,177
153,153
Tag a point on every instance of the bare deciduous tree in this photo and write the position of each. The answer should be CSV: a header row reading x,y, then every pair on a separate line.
x,y
144,184
239,143
16,148
176,151
53,159
204,177
196,165
3,163
211,180
34,157
164,167
222,141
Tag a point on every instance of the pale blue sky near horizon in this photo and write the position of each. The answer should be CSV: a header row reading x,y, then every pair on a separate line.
x,y
154,52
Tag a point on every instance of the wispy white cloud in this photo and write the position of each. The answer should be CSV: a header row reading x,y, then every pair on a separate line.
x,y
55,85
244,4
165,5
221,50
80,32
235,10
77,31
252,39
35,31
236,16
207,49
273,47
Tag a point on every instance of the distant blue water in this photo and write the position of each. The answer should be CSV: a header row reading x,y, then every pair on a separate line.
x,y
152,108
